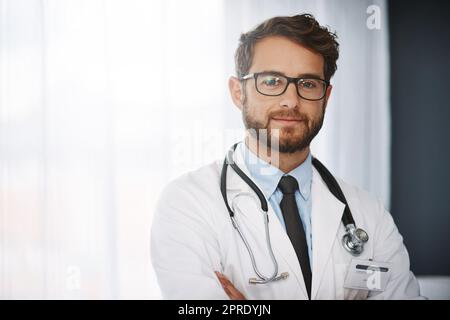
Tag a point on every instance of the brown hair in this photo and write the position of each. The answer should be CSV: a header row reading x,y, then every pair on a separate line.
x,y
302,29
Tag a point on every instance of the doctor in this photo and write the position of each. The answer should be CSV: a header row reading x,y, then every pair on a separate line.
x,y
268,222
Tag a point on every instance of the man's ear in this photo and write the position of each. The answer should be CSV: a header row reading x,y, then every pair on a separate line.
x,y
236,91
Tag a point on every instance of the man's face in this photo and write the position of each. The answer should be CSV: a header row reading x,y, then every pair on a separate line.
x,y
297,119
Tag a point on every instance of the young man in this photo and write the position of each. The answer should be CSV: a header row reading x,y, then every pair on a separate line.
x,y
284,67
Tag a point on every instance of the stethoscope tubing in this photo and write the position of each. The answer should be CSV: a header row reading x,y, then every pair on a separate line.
x,y
351,240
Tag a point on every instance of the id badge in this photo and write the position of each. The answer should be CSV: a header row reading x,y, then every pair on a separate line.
x,y
368,275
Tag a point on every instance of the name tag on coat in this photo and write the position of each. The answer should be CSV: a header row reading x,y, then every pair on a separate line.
x,y
368,275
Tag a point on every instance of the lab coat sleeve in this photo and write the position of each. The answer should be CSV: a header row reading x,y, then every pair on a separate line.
x,y
184,248
389,247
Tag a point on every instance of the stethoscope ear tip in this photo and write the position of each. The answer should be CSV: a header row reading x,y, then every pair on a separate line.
x,y
282,276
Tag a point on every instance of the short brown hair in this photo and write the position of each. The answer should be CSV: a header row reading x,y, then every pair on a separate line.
x,y
302,29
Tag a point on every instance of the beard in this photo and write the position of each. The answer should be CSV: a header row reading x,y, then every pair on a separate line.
x,y
290,138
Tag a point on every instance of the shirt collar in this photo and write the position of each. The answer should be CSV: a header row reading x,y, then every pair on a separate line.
x,y
267,176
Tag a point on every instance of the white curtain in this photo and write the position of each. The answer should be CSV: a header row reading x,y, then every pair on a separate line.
x,y
102,102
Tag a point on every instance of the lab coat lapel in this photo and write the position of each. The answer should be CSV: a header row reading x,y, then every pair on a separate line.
x,y
326,217
281,243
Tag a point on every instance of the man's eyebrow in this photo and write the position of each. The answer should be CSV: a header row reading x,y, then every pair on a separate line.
x,y
301,75
310,75
274,72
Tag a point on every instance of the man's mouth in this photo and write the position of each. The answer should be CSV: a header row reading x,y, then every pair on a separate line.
x,y
287,120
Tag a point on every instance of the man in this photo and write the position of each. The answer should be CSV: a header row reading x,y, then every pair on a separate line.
x,y
284,67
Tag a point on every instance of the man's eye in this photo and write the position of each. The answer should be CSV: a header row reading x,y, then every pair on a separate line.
x,y
271,82
308,84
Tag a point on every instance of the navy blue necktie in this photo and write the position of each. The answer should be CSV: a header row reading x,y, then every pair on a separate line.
x,y
294,227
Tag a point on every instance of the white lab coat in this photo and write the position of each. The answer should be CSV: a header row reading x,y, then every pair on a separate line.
x,y
192,236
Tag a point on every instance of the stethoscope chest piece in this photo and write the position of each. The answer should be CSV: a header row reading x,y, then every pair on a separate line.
x,y
354,239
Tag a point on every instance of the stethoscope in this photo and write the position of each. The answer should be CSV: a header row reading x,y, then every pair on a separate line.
x,y
353,240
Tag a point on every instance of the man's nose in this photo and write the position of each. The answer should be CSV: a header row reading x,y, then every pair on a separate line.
x,y
290,97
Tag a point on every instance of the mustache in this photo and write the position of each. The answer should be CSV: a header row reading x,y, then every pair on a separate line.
x,y
288,114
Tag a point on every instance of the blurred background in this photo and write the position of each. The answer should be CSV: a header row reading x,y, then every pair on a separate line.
x,y
102,102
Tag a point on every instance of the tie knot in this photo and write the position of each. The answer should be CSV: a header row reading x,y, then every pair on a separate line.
x,y
288,185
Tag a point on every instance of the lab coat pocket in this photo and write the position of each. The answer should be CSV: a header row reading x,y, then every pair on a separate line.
x,y
340,272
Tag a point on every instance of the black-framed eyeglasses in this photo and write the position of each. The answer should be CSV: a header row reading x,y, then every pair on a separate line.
x,y
275,84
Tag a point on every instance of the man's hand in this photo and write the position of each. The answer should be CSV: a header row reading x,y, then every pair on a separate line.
x,y
230,290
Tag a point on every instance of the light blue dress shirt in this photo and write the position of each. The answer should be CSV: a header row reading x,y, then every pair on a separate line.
x,y
267,178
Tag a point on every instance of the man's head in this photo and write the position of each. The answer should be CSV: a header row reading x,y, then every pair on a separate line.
x,y
296,47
